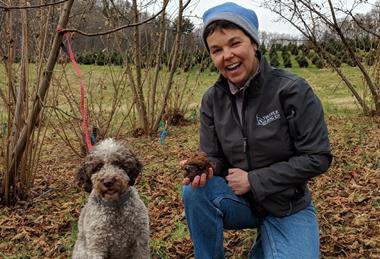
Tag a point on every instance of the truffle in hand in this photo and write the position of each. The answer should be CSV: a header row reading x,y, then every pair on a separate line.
x,y
197,164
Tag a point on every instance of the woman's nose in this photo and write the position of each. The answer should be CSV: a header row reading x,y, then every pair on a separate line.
x,y
228,54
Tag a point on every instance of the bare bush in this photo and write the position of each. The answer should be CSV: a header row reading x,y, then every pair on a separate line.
x,y
320,22
26,95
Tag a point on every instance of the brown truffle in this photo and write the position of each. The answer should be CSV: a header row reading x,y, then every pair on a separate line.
x,y
197,164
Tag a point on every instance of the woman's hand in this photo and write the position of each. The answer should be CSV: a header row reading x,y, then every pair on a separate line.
x,y
238,181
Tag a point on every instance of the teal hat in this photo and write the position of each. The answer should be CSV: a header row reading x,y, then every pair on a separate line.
x,y
244,18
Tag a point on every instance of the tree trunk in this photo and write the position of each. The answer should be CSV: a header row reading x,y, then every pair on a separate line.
x,y
173,63
21,144
139,87
152,102
8,181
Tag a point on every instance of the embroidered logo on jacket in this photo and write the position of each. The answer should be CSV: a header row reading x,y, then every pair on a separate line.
x,y
266,119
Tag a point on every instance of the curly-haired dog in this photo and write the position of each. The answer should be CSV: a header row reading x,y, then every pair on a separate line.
x,y
114,223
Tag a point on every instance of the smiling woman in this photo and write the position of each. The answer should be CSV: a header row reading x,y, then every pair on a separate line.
x,y
263,129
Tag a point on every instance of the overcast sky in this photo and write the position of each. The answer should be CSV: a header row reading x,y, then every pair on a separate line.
x,y
268,21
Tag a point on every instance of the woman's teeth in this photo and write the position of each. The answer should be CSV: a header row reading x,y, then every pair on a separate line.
x,y
233,66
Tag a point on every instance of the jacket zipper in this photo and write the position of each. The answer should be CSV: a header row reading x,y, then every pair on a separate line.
x,y
242,125
245,144
258,210
244,131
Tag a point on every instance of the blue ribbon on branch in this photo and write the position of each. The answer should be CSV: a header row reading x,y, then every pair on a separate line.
x,y
164,133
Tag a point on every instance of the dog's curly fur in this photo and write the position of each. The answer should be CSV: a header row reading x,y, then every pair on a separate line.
x,y
114,223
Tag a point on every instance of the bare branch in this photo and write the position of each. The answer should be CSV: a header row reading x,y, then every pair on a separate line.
x,y
186,4
118,28
361,26
318,13
8,7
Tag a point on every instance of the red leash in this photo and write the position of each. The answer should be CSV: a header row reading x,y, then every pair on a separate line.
x,y
82,93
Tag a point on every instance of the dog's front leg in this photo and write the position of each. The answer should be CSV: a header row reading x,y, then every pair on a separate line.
x,y
142,250
89,254
97,247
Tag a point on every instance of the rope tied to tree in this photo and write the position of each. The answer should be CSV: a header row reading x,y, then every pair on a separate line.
x,y
82,91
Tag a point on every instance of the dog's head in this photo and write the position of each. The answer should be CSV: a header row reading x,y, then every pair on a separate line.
x,y
110,168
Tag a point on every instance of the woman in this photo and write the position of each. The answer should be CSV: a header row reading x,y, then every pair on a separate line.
x,y
264,130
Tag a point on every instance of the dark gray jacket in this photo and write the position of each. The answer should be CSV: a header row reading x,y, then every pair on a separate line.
x,y
281,143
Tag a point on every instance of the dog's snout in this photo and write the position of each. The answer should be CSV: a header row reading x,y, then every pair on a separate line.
x,y
108,183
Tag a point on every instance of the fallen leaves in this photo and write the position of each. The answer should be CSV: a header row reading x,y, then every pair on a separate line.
x,y
347,198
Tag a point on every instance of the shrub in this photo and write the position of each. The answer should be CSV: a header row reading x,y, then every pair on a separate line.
x,y
273,56
336,60
311,54
101,59
301,60
86,58
293,49
287,61
370,57
317,61
116,59
263,49
274,61
345,58
305,49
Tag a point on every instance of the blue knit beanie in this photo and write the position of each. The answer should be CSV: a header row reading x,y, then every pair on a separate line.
x,y
246,19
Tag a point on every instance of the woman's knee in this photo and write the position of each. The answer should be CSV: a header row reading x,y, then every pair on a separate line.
x,y
213,187
192,195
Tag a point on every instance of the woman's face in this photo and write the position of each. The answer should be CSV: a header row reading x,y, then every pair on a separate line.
x,y
233,53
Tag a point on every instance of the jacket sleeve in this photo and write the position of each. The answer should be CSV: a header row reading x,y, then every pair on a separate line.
x,y
308,132
209,142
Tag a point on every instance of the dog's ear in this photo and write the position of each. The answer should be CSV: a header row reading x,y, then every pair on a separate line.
x,y
129,162
83,179
85,171
135,171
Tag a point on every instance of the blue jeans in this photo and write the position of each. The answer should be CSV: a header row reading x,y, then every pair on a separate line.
x,y
213,208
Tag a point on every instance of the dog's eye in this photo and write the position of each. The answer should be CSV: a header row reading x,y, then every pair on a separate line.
x,y
121,166
97,168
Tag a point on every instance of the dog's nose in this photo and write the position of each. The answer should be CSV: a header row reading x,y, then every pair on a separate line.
x,y
108,182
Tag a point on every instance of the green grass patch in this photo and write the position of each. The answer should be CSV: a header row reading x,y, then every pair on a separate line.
x,y
159,248
99,80
180,231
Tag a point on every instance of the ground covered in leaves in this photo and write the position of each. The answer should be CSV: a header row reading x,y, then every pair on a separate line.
x,y
347,198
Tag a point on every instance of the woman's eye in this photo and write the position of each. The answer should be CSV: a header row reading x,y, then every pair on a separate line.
x,y
215,51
